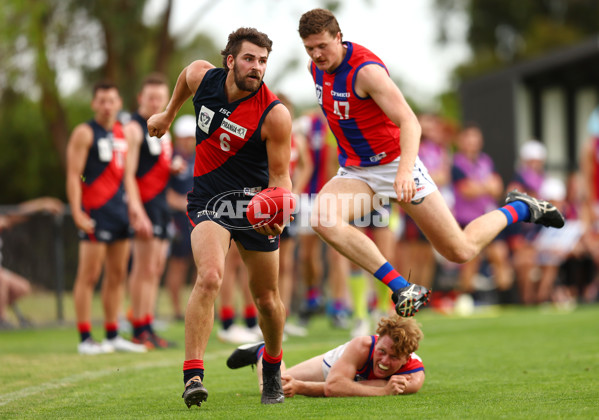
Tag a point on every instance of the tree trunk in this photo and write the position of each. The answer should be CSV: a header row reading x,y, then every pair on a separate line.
x,y
53,112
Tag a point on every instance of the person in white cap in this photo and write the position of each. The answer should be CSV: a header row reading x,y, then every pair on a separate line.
x,y
529,178
561,251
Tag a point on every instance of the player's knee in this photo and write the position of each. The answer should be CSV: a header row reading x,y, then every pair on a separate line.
x,y
267,303
322,224
88,278
210,280
459,255
25,288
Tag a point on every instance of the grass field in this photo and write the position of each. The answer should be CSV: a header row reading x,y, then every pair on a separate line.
x,y
506,363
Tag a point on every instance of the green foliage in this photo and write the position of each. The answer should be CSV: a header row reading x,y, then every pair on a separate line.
x,y
29,165
513,363
106,39
502,32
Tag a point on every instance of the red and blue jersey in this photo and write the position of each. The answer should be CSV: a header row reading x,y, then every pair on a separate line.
x,y
102,180
595,170
365,135
230,152
414,364
316,131
153,171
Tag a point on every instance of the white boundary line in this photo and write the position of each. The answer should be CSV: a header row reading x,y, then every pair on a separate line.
x,y
74,379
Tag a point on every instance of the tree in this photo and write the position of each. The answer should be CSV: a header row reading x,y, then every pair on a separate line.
x,y
502,32
52,46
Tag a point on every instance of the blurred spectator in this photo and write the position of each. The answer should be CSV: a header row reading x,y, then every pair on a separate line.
x,y
477,188
149,167
180,259
414,250
554,247
235,279
377,226
300,169
589,165
528,178
313,126
13,286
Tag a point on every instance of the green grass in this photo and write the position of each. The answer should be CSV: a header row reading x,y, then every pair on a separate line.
x,y
510,363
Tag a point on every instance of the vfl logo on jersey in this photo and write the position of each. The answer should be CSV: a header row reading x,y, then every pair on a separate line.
x,y
319,94
205,118
233,128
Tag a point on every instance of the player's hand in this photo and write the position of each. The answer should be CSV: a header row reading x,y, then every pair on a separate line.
x,y
178,165
141,224
158,124
404,185
289,385
273,230
84,222
397,384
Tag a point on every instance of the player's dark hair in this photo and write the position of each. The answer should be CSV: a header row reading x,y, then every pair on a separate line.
x,y
245,34
317,20
103,85
405,333
154,79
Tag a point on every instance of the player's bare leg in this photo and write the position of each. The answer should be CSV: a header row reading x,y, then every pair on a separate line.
x,y
117,255
342,200
176,273
438,224
263,271
91,259
89,268
210,244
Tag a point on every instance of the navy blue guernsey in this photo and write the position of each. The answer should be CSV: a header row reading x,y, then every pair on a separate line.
x,y
102,180
153,170
230,152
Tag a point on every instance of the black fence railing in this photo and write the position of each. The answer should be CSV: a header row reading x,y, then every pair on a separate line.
x,y
42,248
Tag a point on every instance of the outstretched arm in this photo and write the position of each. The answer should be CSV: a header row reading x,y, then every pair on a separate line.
x,y
292,386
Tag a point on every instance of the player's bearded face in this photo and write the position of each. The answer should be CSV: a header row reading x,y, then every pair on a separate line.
x,y
246,79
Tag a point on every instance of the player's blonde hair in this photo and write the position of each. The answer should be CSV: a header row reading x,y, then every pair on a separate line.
x,y
405,333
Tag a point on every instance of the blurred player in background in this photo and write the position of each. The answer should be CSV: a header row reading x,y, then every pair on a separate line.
x,y
314,128
235,293
148,173
301,169
180,259
96,158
